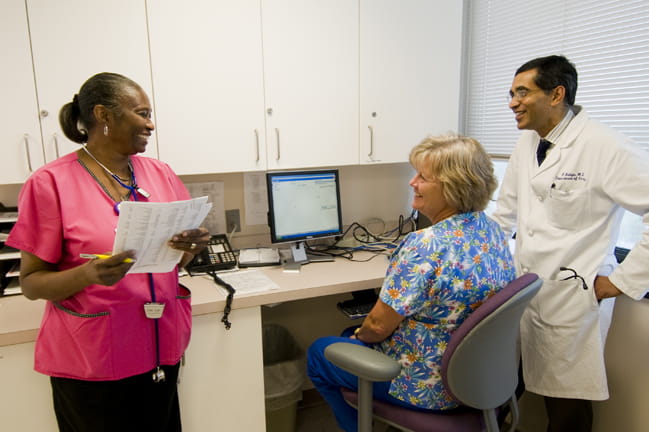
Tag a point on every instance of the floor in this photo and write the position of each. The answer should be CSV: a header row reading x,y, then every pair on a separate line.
x,y
314,415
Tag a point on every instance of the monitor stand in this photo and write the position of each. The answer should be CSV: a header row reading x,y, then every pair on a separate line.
x,y
298,250
300,257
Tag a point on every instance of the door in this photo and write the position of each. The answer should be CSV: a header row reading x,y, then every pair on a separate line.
x,y
20,133
311,82
75,39
409,74
208,78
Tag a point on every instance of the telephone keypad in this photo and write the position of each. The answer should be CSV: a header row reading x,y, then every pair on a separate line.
x,y
218,255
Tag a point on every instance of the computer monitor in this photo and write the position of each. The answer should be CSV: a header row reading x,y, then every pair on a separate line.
x,y
303,205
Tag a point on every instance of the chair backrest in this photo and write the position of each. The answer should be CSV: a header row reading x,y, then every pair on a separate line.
x,y
480,364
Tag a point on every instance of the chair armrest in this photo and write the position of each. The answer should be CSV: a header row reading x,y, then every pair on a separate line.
x,y
362,361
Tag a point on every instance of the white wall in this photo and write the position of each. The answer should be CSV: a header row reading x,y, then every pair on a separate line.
x,y
627,351
367,192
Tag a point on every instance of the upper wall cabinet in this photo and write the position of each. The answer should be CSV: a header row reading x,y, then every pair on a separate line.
x,y
20,134
239,85
75,39
208,78
410,53
311,82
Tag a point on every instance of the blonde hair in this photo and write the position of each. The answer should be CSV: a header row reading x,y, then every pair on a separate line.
x,y
462,166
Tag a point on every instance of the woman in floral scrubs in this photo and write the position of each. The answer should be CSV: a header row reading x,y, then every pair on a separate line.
x,y
435,278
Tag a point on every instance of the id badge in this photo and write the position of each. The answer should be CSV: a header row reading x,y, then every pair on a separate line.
x,y
154,310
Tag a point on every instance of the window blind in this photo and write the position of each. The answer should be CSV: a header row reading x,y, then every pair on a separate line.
x,y
607,41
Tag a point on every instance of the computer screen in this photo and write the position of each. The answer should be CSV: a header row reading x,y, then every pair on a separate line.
x,y
303,205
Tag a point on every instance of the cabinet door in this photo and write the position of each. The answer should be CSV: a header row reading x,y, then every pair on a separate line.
x,y
75,39
410,74
25,395
311,82
208,78
20,133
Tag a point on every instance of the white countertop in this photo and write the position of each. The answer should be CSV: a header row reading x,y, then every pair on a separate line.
x,y
20,318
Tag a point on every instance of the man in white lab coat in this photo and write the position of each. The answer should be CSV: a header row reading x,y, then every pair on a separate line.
x,y
565,207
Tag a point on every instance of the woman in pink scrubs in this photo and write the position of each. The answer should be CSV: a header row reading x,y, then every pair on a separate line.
x,y
113,363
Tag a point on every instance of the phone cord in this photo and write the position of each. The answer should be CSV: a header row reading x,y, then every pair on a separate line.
x,y
228,300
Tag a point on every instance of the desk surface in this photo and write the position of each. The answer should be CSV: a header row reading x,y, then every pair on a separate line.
x,y
20,318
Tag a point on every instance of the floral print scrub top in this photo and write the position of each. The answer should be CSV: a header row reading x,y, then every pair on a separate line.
x,y
436,278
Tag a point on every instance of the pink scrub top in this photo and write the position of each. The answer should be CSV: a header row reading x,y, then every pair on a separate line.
x,y
100,333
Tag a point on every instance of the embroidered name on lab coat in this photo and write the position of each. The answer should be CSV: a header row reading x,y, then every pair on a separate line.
x,y
570,176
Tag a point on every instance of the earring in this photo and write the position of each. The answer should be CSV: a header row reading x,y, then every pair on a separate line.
x,y
106,129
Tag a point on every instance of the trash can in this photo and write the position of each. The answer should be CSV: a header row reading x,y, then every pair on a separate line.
x,y
284,376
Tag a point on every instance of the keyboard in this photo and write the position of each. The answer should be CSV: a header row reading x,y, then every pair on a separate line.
x,y
354,309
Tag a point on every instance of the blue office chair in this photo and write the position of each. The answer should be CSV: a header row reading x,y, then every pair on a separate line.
x,y
479,369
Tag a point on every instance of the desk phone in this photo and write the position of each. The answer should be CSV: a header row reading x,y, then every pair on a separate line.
x,y
218,255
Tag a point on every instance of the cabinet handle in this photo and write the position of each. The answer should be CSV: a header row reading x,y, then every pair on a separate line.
x,y
29,159
277,138
371,141
257,142
56,145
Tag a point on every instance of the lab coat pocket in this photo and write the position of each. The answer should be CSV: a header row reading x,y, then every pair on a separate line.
x,y
565,304
568,208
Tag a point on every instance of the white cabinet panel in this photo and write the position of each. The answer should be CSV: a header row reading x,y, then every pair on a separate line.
x,y
20,134
207,72
222,383
409,74
26,396
311,82
241,85
75,39
221,386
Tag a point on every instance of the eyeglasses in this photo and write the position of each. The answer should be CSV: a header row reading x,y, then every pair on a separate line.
x,y
574,276
520,93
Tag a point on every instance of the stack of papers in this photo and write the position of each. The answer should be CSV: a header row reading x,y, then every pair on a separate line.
x,y
248,281
258,257
14,271
146,227
8,216
13,287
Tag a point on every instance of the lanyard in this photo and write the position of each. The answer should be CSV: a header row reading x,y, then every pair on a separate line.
x,y
158,374
134,188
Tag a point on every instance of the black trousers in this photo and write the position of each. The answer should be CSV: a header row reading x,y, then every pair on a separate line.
x,y
564,415
134,404
569,415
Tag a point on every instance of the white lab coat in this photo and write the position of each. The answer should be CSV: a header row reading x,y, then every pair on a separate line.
x,y
567,213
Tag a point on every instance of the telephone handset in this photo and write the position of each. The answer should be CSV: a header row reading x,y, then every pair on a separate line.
x,y
218,255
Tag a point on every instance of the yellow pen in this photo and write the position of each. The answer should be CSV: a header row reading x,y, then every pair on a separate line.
x,y
103,256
